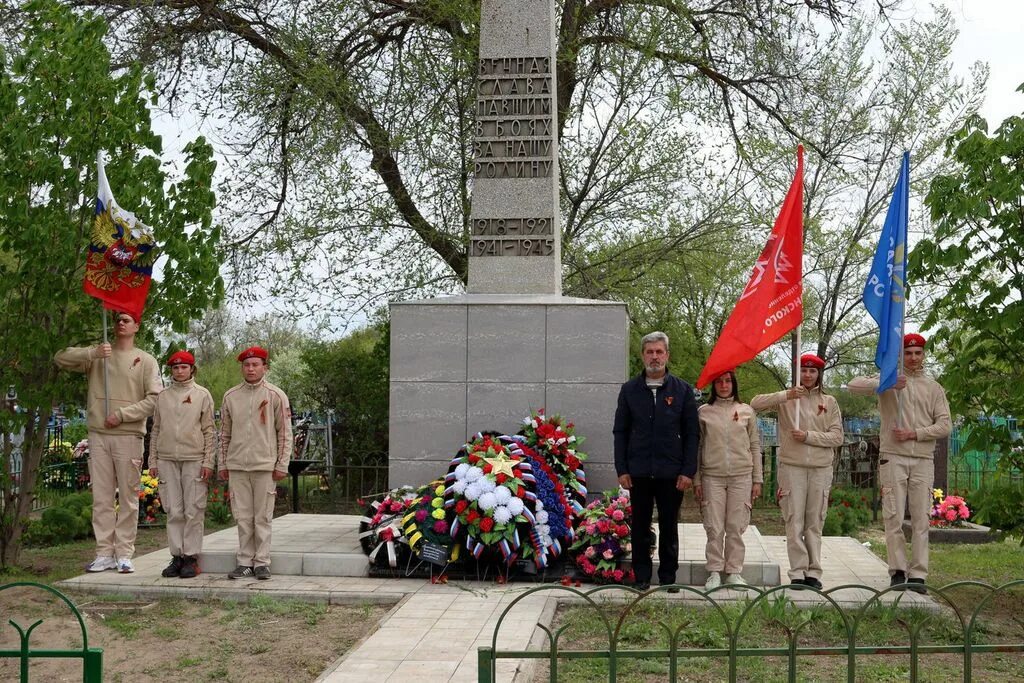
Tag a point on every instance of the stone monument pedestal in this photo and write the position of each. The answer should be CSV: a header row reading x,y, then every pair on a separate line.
x,y
463,364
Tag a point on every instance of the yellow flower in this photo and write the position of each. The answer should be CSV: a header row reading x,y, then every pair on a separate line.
x,y
437,502
439,490
937,494
437,514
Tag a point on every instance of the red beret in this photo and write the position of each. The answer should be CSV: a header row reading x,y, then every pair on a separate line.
x,y
809,360
913,339
253,352
179,357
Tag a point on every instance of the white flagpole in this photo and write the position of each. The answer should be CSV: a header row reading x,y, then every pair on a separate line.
x,y
106,340
796,373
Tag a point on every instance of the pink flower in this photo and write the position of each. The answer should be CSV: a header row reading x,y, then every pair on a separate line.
x,y
602,526
591,551
951,515
421,515
618,574
965,513
608,554
440,526
618,515
589,569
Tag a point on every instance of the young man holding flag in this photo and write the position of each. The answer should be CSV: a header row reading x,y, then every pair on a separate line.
x,y
914,409
123,380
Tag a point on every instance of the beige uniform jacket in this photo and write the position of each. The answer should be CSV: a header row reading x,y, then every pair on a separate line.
x,y
925,410
255,428
819,417
183,427
134,379
730,442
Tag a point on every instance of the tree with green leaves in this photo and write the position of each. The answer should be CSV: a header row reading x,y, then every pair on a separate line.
x,y
61,101
976,259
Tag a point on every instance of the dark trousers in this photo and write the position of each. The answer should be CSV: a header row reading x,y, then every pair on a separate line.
x,y
645,494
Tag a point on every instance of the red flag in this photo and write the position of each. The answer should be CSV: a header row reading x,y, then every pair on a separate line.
x,y
772,302
119,263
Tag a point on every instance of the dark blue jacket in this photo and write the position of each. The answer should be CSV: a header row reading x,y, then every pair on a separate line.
x,y
656,438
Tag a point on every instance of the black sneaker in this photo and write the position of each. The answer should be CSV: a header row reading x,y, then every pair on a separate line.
x,y
240,572
812,582
262,572
898,579
173,569
189,567
798,583
917,585
673,589
643,586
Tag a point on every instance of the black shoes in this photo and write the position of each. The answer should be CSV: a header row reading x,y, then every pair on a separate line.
x,y
673,589
262,572
917,585
643,586
798,583
189,567
812,582
898,579
240,572
173,570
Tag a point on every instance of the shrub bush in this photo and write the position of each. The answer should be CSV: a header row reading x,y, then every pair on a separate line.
x,y
70,519
848,511
1000,505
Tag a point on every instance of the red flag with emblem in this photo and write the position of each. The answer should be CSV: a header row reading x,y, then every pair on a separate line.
x,y
119,263
772,302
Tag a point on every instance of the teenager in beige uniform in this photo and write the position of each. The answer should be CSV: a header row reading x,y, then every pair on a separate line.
x,y
181,455
729,477
115,440
805,465
906,465
256,447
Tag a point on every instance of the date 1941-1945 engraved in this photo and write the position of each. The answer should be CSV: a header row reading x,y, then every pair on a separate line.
x,y
512,246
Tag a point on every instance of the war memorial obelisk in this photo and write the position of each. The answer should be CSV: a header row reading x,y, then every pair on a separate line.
x,y
512,343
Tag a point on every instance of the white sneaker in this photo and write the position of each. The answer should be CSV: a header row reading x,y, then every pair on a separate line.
x,y
101,564
125,566
734,580
714,581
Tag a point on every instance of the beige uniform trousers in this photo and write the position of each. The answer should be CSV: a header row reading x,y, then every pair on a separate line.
x,y
904,479
726,513
115,465
252,504
803,498
183,494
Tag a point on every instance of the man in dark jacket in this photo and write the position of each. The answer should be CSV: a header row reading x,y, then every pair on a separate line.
x,y
656,434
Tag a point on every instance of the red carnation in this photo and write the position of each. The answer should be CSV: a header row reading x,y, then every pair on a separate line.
x,y
487,468
473,458
572,462
622,531
520,492
501,478
486,524
461,506
472,516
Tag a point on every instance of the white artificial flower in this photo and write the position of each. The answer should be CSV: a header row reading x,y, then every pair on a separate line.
x,y
487,485
502,494
540,504
461,469
515,506
487,501
460,486
572,438
561,440
473,491
474,473
502,515
542,517
527,421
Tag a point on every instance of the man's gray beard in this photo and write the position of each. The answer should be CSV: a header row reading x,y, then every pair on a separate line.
x,y
650,368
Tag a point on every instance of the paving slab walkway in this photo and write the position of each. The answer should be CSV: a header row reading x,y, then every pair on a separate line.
x,y
433,631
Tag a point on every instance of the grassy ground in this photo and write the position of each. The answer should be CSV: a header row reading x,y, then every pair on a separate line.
x,y
647,625
264,639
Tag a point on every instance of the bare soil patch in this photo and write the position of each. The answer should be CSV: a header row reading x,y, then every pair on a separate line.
x,y
265,639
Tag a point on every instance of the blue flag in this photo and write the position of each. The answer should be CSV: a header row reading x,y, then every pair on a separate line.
x,y
885,291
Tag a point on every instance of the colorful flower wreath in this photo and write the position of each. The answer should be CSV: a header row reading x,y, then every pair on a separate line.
x,y
490,490
554,511
603,539
426,520
555,440
380,528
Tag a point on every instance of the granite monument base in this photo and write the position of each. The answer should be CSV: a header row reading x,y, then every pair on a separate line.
x,y
463,364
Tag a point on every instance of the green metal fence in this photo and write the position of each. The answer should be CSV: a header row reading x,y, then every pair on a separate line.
x,y
912,616
92,657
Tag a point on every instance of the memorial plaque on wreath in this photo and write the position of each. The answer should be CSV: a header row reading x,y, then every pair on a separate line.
x,y
434,553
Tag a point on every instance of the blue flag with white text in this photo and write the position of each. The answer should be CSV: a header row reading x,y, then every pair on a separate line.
x,y
885,291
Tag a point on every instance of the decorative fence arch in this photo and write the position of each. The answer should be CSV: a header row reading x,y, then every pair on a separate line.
x,y
912,617
92,657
